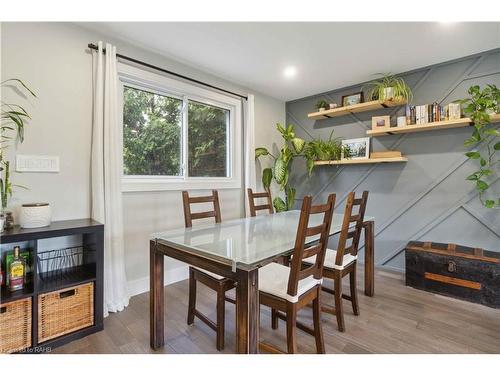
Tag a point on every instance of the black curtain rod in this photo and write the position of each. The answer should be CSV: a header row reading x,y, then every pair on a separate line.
x,y
123,57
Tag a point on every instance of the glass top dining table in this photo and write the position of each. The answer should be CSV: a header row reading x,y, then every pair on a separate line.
x,y
245,242
236,249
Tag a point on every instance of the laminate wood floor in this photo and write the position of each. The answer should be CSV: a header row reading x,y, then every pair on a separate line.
x,y
397,320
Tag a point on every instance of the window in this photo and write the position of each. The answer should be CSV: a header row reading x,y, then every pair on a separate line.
x,y
152,131
207,140
177,135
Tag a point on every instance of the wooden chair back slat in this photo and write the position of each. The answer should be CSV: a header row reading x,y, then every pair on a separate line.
x,y
312,231
320,208
302,252
189,216
254,208
351,234
206,199
264,194
352,226
312,251
202,215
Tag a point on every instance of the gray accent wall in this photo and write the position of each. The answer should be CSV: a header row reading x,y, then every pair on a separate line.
x,y
427,198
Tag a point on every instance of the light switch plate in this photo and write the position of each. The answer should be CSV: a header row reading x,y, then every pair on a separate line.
x,y
37,163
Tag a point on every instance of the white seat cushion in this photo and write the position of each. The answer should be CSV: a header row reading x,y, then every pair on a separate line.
x,y
273,279
214,275
330,260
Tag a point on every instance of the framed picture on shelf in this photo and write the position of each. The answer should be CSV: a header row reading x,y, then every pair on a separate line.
x,y
381,122
359,148
352,99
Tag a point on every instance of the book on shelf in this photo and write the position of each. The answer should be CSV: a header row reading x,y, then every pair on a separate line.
x,y
435,112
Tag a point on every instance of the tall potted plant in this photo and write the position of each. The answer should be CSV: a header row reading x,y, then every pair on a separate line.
x,y
13,118
480,106
293,147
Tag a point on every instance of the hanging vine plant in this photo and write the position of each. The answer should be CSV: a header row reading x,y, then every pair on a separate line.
x,y
480,106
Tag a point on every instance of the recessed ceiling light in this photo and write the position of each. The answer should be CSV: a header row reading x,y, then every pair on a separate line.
x,y
290,71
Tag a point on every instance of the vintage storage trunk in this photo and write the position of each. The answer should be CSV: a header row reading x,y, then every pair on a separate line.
x,y
453,270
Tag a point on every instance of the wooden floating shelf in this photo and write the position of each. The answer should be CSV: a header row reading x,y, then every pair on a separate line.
x,y
448,124
401,159
355,108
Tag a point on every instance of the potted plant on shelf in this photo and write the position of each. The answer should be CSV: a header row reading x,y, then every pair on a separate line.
x,y
331,149
13,119
292,148
389,87
321,105
479,107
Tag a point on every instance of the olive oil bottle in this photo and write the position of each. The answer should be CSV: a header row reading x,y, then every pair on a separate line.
x,y
17,271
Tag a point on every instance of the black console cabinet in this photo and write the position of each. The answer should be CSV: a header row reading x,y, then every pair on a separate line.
x,y
90,270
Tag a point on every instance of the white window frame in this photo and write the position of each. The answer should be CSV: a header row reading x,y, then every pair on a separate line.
x,y
142,79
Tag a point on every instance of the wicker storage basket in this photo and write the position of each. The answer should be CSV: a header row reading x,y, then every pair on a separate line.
x,y
64,311
15,325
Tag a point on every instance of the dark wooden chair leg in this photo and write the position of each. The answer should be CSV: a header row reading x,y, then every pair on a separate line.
x,y
339,312
274,319
318,331
192,297
221,311
354,291
291,328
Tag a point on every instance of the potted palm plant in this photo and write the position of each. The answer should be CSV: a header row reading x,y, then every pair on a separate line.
x,y
389,87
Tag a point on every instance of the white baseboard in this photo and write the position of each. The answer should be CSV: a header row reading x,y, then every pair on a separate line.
x,y
174,275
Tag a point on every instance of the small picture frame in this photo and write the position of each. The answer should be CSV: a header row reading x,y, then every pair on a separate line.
x,y
381,122
359,148
352,99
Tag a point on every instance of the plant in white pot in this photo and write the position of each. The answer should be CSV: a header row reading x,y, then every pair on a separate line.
x,y
322,105
389,87
12,120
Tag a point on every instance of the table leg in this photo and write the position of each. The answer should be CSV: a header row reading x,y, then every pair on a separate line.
x,y
156,303
369,258
247,311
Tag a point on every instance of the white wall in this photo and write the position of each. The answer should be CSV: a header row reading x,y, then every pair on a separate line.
x,y
53,59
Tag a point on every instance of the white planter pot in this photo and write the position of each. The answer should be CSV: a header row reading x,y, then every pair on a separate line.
x,y
35,215
388,93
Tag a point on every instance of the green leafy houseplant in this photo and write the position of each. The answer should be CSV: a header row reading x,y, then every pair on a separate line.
x,y
479,107
13,119
321,105
330,149
379,89
292,148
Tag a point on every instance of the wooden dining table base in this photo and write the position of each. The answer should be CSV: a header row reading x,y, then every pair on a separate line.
x,y
247,293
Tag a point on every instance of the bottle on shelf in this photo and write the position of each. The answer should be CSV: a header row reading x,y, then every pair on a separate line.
x,y
17,271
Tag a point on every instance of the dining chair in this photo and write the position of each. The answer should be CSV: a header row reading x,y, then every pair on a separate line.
x,y
254,208
343,261
286,290
215,282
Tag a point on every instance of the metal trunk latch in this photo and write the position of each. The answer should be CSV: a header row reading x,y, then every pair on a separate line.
x,y
452,266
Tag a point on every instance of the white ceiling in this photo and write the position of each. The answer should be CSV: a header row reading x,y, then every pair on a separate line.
x,y
326,55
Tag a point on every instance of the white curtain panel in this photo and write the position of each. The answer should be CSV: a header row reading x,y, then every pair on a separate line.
x,y
249,147
106,173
